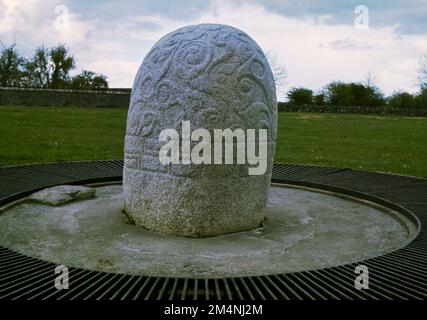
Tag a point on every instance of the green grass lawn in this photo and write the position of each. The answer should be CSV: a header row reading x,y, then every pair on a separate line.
x,y
373,143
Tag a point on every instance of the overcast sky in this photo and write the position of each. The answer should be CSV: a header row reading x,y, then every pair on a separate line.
x,y
316,41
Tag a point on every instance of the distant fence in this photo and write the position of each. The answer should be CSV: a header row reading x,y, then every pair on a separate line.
x,y
120,97
387,111
64,98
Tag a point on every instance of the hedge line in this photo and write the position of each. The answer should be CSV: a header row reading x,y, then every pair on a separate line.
x,y
121,98
387,111
63,98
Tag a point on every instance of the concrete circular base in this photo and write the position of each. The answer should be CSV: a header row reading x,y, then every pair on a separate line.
x,y
305,230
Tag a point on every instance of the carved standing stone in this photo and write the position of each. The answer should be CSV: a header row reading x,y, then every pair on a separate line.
x,y
216,77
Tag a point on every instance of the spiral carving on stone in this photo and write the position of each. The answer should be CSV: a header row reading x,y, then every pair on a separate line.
x,y
216,77
193,58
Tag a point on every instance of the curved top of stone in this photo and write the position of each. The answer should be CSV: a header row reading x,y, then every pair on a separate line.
x,y
214,74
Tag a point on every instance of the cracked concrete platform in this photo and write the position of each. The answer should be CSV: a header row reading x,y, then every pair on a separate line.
x,y
305,230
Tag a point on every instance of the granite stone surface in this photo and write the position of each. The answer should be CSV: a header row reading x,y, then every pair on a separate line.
x,y
216,77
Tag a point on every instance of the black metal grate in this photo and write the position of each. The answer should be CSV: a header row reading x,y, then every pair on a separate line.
x,y
401,274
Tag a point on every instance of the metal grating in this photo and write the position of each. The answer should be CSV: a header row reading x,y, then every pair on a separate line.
x,y
401,274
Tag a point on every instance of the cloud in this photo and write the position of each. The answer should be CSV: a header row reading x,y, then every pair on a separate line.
x,y
145,24
32,23
409,15
317,43
346,44
350,55
3,9
171,9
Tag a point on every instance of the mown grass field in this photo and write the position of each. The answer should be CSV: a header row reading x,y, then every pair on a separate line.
x,y
372,143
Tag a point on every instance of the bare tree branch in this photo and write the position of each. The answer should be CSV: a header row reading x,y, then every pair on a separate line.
x,y
279,72
422,71
370,79
3,45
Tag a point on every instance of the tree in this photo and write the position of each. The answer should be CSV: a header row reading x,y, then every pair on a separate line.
x,y
100,82
422,72
375,96
369,80
48,68
353,94
300,96
38,69
62,62
338,94
401,100
319,99
89,80
278,70
11,66
421,98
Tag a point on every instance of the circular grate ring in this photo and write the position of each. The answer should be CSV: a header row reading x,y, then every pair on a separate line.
x,y
401,274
